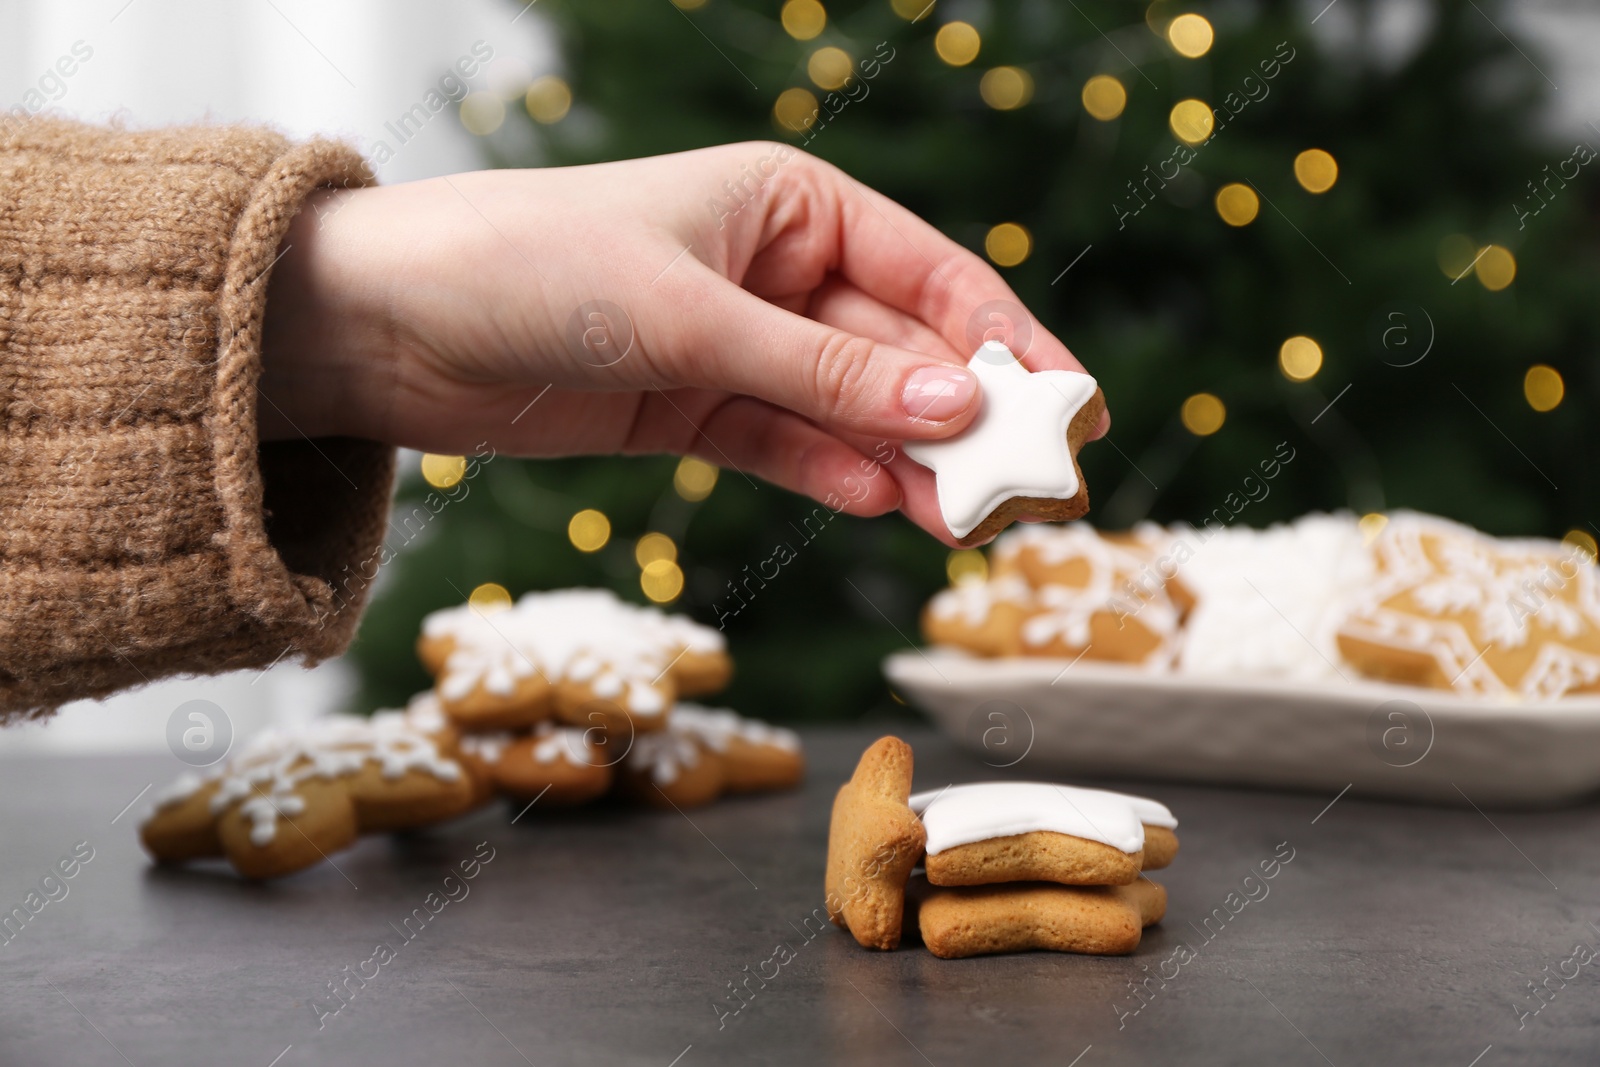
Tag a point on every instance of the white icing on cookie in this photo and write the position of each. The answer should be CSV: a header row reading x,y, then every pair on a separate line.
x,y
963,814
1015,446
665,754
716,727
569,743
972,599
488,747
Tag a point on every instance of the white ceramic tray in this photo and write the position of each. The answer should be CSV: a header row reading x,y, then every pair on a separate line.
x,y
1381,740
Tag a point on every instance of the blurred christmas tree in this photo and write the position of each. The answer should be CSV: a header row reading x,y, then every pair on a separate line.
x,y
1251,235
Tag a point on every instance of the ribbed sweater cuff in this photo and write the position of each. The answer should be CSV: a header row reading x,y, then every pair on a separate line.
x,y
144,530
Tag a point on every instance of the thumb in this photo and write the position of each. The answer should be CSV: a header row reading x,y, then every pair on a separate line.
x,y
843,381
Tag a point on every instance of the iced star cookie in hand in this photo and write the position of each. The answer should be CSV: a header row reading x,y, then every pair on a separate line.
x,y
1454,608
1019,456
989,832
290,798
874,840
1091,920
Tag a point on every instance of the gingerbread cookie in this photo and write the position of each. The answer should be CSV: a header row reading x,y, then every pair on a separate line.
x,y
982,616
874,840
1019,456
983,920
1454,608
290,798
1032,831
705,752
559,766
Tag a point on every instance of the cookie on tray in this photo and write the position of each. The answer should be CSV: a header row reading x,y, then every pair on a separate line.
x,y
1452,608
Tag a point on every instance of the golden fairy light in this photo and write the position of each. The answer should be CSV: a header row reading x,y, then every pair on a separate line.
x,y
1104,97
694,478
1371,525
911,10
1496,267
1191,121
1190,35
1300,358
966,565
1008,244
1456,253
442,472
482,112
548,99
1316,170
795,110
1203,414
830,67
1543,388
1583,541
1238,204
689,5
490,596
589,530
661,581
957,43
1006,88
1158,16
803,19
654,546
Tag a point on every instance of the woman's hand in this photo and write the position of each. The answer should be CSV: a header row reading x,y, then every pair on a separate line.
x,y
746,304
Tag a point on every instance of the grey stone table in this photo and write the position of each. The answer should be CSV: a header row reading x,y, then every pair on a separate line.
x,y
1394,934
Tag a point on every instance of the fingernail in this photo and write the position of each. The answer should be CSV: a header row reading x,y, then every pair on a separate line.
x,y
938,394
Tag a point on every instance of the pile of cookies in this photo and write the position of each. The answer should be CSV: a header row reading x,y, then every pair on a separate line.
x,y
561,698
1402,597
1006,866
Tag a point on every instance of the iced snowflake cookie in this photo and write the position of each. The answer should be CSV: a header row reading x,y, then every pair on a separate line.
x,y
874,840
1099,597
983,616
581,656
1019,456
706,752
1454,608
989,832
559,766
983,920
288,799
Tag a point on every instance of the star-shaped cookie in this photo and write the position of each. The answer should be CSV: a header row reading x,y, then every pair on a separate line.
x,y
1019,455
873,842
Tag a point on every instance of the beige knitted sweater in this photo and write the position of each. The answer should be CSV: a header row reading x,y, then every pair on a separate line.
x,y
144,531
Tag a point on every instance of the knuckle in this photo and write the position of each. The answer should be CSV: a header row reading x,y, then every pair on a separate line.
x,y
842,370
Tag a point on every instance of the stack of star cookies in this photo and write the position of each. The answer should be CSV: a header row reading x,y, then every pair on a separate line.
x,y
1067,592
1006,866
568,695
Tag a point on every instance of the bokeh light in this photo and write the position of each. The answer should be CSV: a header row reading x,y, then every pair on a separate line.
x,y
1190,35
1456,253
1543,387
966,565
661,581
1496,268
1299,358
1191,121
654,546
689,5
694,478
442,472
911,9
1316,170
1238,204
548,99
589,530
795,110
1008,244
1584,542
482,112
957,43
830,67
1006,88
803,19
490,596
1203,414
1371,525
1104,97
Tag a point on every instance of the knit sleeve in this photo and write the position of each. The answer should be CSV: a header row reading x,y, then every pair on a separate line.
x,y
144,530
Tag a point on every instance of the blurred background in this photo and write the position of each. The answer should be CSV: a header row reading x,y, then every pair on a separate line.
x,y
1363,231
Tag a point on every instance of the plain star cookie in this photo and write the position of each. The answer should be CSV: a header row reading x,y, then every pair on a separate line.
x,y
1020,454
874,840
1454,608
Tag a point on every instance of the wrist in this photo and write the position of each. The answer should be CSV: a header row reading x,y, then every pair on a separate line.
x,y
323,359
